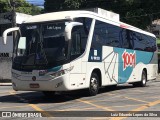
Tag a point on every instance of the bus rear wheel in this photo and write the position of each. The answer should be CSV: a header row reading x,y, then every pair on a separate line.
x,y
143,81
48,94
94,84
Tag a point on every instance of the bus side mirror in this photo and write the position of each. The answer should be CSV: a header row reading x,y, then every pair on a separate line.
x,y
4,37
68,29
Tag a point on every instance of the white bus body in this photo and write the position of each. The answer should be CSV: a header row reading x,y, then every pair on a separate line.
x,y
98,50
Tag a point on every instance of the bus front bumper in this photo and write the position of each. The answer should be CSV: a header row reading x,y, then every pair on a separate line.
x,y
60,83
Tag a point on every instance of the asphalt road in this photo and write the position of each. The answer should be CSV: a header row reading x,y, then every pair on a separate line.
x,y
109,104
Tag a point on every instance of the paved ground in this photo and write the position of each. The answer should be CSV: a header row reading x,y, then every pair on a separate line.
x,y
123,98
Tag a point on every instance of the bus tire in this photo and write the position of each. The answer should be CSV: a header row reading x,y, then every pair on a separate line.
x,y
143,81
94,84
48,94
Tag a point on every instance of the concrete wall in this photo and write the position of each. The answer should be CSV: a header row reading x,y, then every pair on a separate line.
x,y
8,48
5,69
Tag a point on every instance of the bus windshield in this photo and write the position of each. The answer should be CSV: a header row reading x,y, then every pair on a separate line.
x,y
41,46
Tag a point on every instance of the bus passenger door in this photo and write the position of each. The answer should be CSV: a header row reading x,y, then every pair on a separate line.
x,y
76,61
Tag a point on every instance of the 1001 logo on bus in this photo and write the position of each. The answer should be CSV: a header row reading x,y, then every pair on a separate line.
x,y
129,59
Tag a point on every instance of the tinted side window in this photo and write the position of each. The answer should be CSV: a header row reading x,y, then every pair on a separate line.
x,y
105,34
151,43
113,36
76,42
125,39
138,42
79,37
143,42
100,35
86,23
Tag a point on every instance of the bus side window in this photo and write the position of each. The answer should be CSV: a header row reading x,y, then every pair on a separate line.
x,y
75,49
99,36
126,39
75,43
78,41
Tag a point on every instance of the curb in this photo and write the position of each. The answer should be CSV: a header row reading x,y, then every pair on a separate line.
x,y
5,84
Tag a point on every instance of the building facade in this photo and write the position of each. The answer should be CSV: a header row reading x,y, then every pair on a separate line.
x,y
6,51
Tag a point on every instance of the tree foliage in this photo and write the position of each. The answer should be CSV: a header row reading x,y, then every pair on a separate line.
x,y
21,6
3,6
139,13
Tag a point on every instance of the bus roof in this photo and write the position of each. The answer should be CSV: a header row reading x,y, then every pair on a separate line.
x,y
69,15
54,16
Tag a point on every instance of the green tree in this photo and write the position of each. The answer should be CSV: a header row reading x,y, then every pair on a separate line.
x,y
4,6
54,5
141,13
21,6
58,5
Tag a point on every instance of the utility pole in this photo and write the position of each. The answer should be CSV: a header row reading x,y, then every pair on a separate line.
x,y
12,4
14,13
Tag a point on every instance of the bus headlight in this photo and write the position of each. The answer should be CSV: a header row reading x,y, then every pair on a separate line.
x,y
61,72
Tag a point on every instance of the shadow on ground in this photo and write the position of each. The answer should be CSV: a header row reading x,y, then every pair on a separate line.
x,y
59,97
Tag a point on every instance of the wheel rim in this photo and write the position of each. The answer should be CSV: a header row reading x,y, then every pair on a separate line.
x,y
94,84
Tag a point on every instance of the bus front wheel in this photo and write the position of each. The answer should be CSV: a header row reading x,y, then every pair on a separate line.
x,y
94,84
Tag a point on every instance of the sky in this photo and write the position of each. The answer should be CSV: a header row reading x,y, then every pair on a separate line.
x,y
36,2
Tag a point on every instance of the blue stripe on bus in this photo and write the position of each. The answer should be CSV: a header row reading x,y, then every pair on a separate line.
x,y
125,69
55,69
123,73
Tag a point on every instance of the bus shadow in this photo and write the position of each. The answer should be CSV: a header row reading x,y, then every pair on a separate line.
x,y
34,98
59,97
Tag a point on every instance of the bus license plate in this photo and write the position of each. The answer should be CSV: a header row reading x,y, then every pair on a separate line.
x,y
34,85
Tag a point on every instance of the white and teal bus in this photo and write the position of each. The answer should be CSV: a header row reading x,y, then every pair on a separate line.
x,y
73,50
